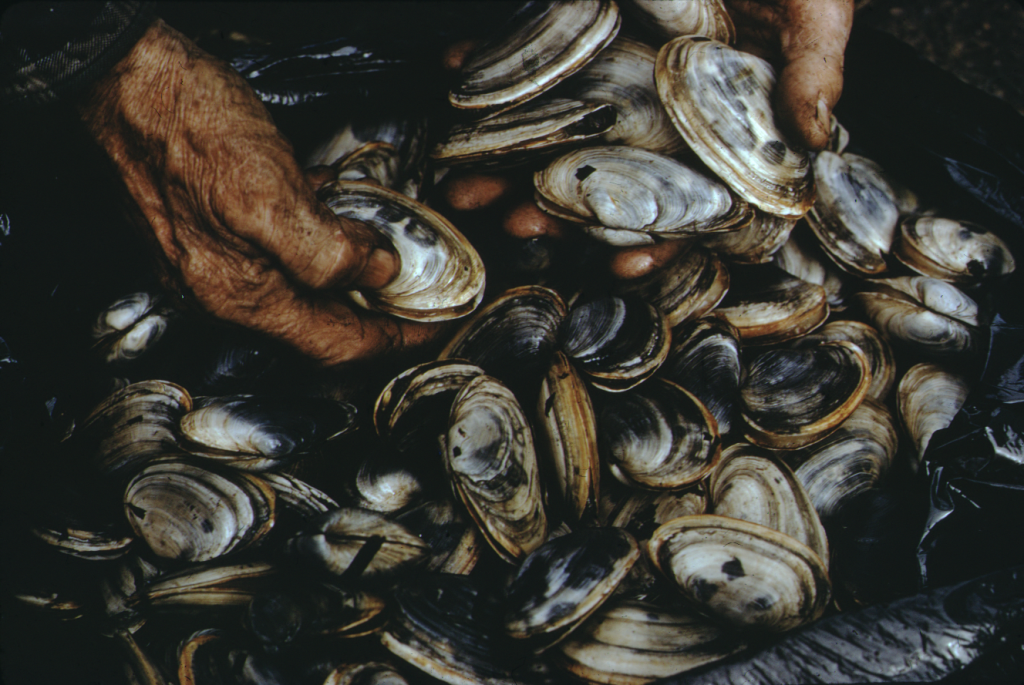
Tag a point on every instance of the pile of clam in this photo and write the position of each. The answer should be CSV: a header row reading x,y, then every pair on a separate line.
x,y
618,484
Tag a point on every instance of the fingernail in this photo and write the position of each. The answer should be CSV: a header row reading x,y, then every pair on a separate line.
x,y
823,111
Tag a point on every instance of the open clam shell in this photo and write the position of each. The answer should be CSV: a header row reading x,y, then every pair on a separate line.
x,y
848,462
452,537
567,435
563,581
748,484
658,436
720,101
746,574
705,360
441,275
622,75
631,642
539,49
686,288
854,215
618,342
490,458
524,133
956,251
794,397
632,189
412,409
928,398
937,295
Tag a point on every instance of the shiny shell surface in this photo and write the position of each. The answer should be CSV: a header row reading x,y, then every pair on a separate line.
x,y
622,75
794,397
854,215
928,397
490,457
658,436
632,189
743,573
956,251
564,580
686,288
440,276
539,49
720,101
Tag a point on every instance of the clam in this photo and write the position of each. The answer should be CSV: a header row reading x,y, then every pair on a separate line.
x,y
632,642
658,436
870,342
928,398
130,326
454,543
803,257
686,288
565,580
567,434
386,485
956,251
771,307
622,75
720,101
440,276
515,333
187,513
906,322
755,243
705,360
133,425
375,162
794,397
854,215
838,137
490,458
632,189
370,673
848,462
521,135
618,342
260,432
448,626
749,485
666,20
743,573
937,295
353,543
217,585
298,495
542,46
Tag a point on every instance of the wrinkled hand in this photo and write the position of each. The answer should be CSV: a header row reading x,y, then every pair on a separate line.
x,y
805,40
239,229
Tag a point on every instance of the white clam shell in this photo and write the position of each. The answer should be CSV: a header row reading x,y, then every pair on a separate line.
x,y
720,101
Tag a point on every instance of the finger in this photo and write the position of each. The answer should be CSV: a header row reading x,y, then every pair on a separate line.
x,y
470,192
457,54
319,175
322,328
526,220
274,207
811,79
634,262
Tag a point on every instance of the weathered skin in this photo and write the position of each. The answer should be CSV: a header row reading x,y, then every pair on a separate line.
x,y
238,228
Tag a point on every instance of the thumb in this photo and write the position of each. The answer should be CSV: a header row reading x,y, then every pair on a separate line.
x,y
811,79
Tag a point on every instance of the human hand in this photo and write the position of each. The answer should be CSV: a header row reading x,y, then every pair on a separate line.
x,y
805,40
238,228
